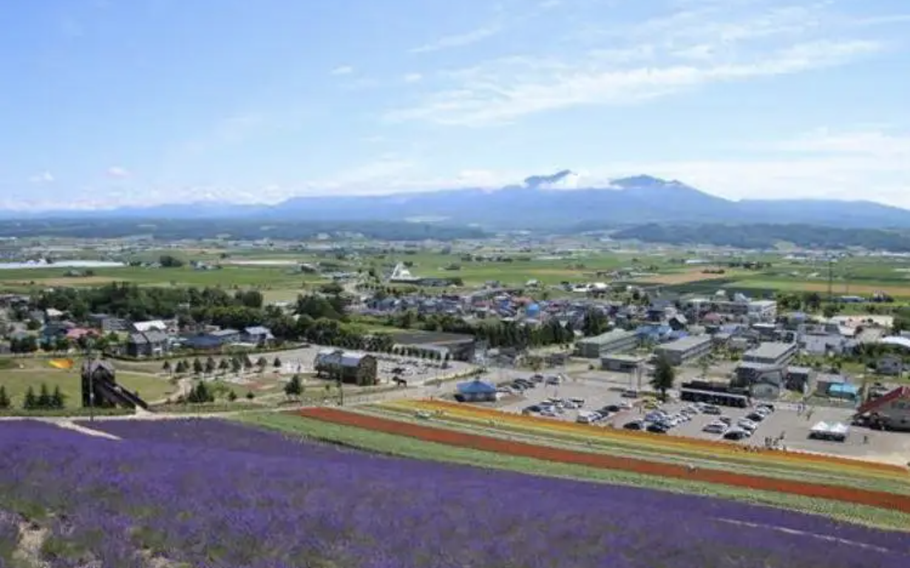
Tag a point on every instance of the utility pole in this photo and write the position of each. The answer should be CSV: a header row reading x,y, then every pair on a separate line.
x,y
91,381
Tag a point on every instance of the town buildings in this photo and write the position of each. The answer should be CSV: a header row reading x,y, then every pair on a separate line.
x,y
348,366
772,353
685,349
615,341
891,411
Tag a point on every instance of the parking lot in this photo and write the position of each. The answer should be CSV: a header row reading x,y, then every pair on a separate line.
x,y
413,370
784,422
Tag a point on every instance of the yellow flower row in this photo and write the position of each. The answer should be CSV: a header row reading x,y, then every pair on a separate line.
x,y
675,444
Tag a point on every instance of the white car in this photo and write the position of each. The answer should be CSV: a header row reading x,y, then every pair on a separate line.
x,y
625,405
716,428
747,425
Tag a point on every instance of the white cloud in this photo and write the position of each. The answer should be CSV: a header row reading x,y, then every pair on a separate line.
x,y
702,44
459,40
413,77
342,70
860,164
42,177
118,172
384,171
878,144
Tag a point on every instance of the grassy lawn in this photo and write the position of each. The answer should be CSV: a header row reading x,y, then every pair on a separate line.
x,y
17,382
404,447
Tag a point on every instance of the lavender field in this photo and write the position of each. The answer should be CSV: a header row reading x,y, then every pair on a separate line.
x,y
203,493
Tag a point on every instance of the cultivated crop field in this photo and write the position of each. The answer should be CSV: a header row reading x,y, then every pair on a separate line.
x,y
216,494
265,277
685,277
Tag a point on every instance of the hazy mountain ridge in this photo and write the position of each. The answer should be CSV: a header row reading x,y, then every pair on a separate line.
x,y
535,204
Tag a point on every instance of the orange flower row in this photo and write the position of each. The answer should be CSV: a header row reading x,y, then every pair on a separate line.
x,y
664,441
871,498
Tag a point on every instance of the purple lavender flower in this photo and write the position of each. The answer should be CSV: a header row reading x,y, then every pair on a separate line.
x,y
217,494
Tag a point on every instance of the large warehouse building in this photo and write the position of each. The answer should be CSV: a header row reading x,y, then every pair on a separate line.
x,y
615,341
686,349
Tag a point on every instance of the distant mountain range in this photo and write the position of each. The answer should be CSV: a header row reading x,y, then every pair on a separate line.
x,y
541,202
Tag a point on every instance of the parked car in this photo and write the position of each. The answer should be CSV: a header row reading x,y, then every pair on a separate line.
x,y
658,428
634,425
755,416
553,380
747,425
736,434
711,409
611,408
579,401
716,428
656,416
630,393
625,405
765,405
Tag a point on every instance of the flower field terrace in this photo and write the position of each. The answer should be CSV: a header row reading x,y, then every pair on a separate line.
x,y
719,456
664,442
215,494
879,499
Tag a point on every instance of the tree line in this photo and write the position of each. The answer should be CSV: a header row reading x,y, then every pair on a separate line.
x,y
496,333
45,399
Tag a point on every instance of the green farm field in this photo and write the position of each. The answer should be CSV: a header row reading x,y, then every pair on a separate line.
x,y
262,277
515,273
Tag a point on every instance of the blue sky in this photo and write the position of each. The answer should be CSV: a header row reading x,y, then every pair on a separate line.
x,y
113,102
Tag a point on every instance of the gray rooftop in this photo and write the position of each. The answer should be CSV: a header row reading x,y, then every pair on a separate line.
x,y
770,350
224,332
621,357
610,336
686,343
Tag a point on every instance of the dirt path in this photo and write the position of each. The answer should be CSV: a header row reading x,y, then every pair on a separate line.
x,y
83,430
31,539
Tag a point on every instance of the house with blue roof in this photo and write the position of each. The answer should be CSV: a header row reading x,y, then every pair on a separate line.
x,y
476,391
654,333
